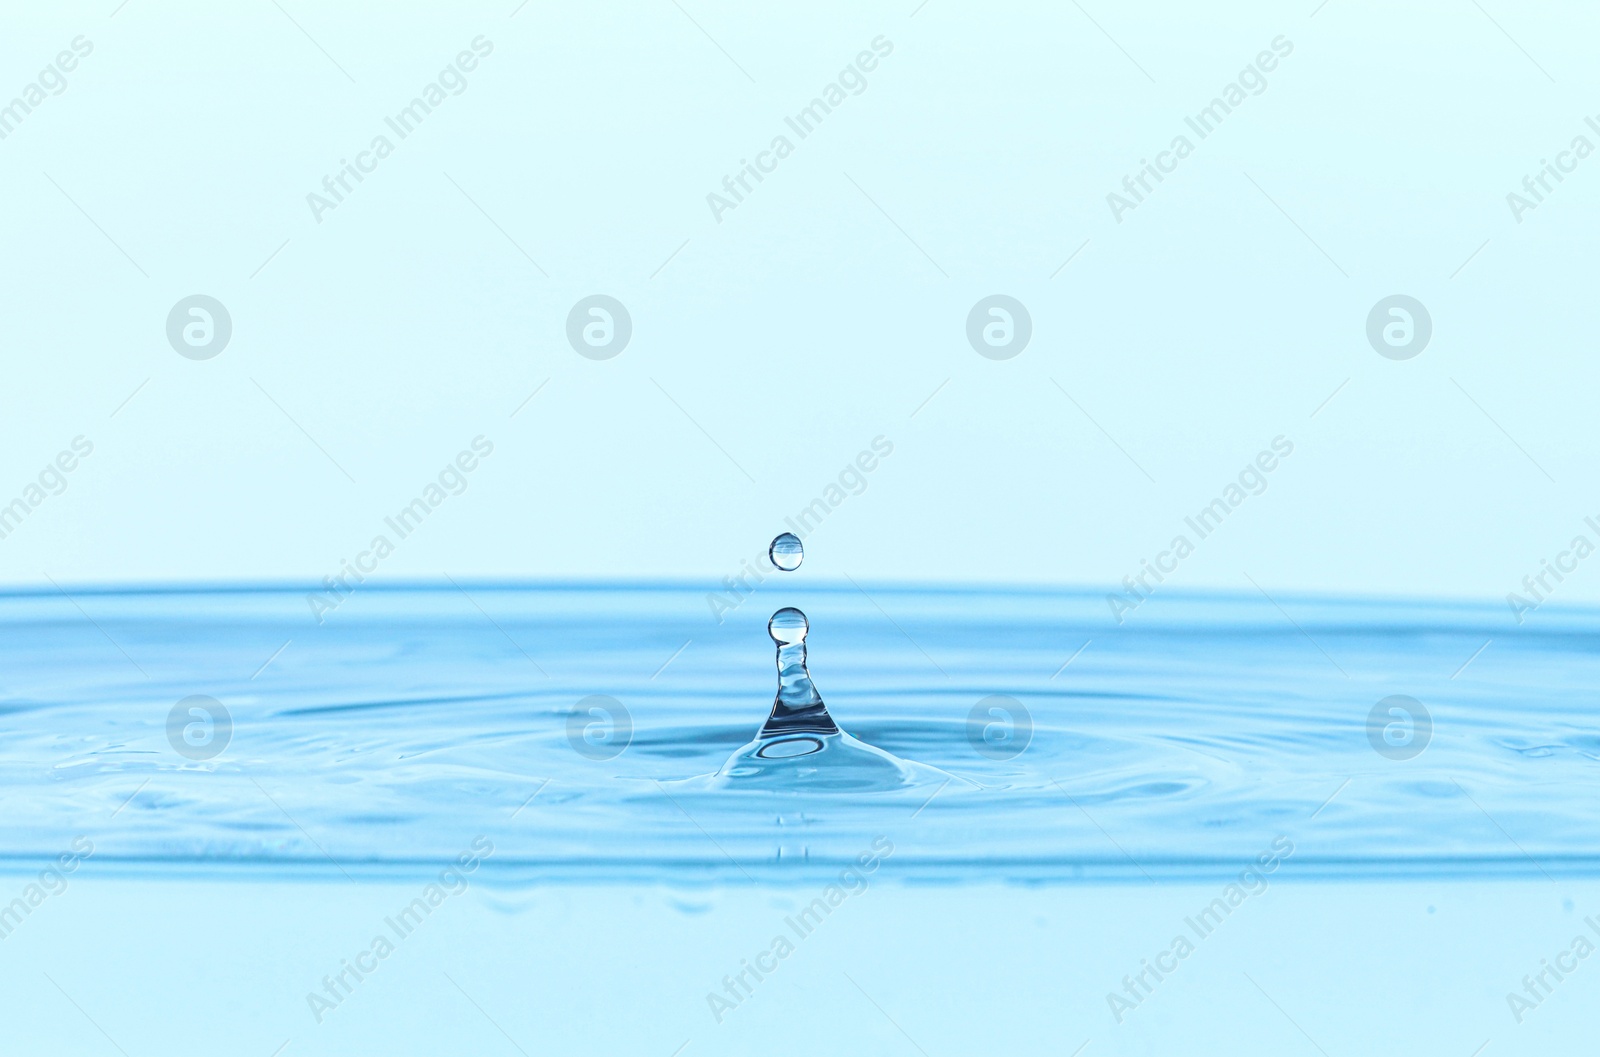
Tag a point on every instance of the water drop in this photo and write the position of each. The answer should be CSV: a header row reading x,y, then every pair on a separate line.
x,y
786,552
800,748
788,626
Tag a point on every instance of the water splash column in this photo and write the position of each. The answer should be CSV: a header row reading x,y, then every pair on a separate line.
x,y
798,708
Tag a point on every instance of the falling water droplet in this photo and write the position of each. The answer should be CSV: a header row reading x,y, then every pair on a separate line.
x,y
800,748
787,553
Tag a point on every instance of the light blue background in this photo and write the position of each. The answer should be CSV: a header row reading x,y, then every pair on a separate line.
x,y
803,323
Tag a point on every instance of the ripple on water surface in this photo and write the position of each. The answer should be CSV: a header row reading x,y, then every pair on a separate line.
x,y
606,730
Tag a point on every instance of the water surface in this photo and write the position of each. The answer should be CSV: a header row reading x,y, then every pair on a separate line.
x,y
565,722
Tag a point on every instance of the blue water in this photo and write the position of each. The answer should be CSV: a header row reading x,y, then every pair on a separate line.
x,y
1060,796
1171,745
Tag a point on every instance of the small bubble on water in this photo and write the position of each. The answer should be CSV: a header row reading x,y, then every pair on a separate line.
x,y
786,552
